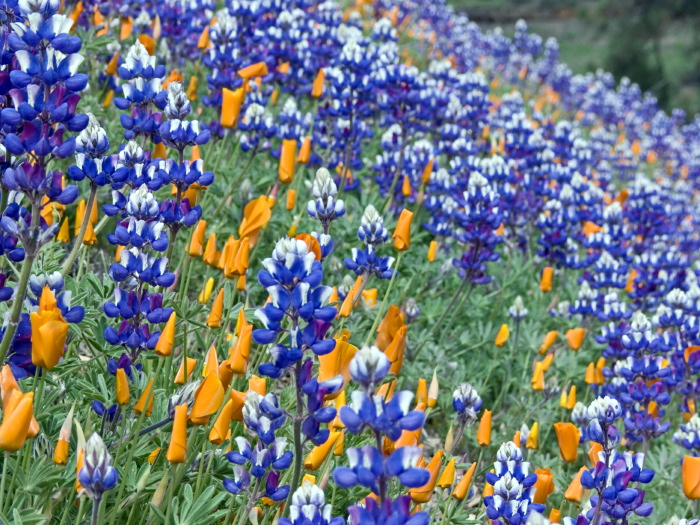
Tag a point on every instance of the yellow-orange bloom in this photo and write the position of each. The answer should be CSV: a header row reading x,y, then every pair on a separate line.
x,y
390,325
395,351
9,385
548,341
231,102
423,494
122,387
537,381
574,492
690,477
180,377
305,151
421,391
177,450
211,363
259,69
16,420
568,437
589,377
317,89
211,256
336,363
483,434
192,89
291,199
60,453
533,436
257,384
502,335
256,214
460,491
546,279
64,233
49,331
207,399
447,478
217,311
196,247
166,341
432,251
319,453
544,485
221,426
433,390
402,233
288,158
574,338
205,294
554,516
146,395
238,399
571,400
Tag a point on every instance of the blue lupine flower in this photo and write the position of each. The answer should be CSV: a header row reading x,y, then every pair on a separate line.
x,y
373,233
97,475
309,506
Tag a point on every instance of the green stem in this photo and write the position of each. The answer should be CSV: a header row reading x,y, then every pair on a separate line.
x,y
135,437
5,461
444,313
234,183
298,446
198,484
171,494
384,301
97,502
229,511
31,252
81,233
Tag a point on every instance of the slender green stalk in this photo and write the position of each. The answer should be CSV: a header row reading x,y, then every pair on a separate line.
x,y
234,183
5,461
384,301
298,446
198,484
229,510
81,233
96,505
21,287
171,495
134,440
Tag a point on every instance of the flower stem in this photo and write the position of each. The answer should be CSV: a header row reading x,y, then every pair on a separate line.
x,y
5,461
81,233
135,437
298,449
21,287
96,511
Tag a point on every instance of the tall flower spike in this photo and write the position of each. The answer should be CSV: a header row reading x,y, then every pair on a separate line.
x,y
324,207
97,475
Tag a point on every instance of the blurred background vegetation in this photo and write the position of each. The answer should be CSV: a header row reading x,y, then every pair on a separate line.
x,y
656,43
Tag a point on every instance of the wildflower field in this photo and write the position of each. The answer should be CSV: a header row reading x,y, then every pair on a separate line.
x,y
299,262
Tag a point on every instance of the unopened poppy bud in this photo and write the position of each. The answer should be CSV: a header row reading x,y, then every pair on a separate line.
x,y
432,251
166,341
460,491
122,387
483,434
402,233
177,450
574,338
503,335
17,418
546,279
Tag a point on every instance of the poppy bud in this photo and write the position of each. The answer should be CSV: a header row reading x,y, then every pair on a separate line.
x,y
64,233
548,341
122,387
180,376
423,494
432,251
433,390
288,157
317,89
208,398
319,453
483,434
291,199
575,490
164,346
460,491
503,335
574,338
532,438
402,233
177,450
196,247
146,397
447,478
231,103
220,429
546,279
